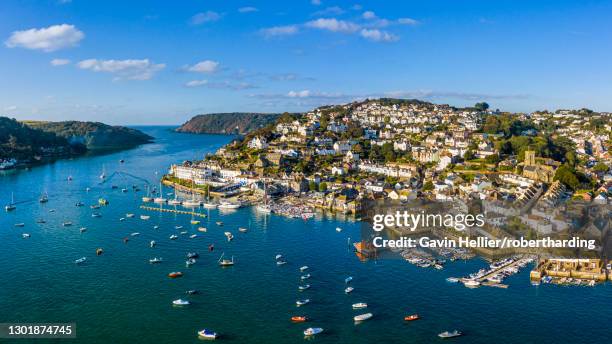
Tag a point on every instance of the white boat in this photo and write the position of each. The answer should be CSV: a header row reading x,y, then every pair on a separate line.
x,y
304,287
174,202
194,222
192,255
208,334
180,302
183,232
20,224
362,317
153,243
265,209
156,260
228,205
225,262
44,198
278,256
147,199
191,203
80,260
202,229
305,277
82,229
11,206
338,229
160,200
304,268
302,302
360,305
229,236
25,235
67,224
471,283
219,223
103,174
173,237
348,279
452,280
193,236
449,334
349,290
190,262
242,230
135,234
311,331
156,227
281,262
96,215
129,215
145,217
209,205
122,219
178,227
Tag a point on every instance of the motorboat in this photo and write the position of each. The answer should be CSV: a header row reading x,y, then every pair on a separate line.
x,y
184,232
349,290
278,256
191,292
175,274
225,262
43,198
156,260
228,205
102,201
299,318
302,302
229,236
194,222
135,234
281,262
304,287
145,217
147,199
41,221
96,215
173,237
202,229
219,223
20,224
242,230
191,203
180,302
208,334
153,243
449,334
311,331
209,205
193,236
129,215
411,317
80,260
178,227
452,280
192,255
303,268
190,262
83,229
25,235
122,219
156,227
95,206
360,305
338,229
79,204
363,317
67,224
305,277
471,283
174,202
348,279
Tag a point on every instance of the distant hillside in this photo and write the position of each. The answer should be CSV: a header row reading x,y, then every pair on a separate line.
x,y
227,123
94,135
23,143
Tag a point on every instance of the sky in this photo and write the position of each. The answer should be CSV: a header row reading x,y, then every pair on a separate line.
x,y
161,62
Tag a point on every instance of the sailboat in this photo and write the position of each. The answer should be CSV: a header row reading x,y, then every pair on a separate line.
x,y
148,197
193,203
103,175
161,198
208,204
11,206
225,262
175,200
265,207
44,198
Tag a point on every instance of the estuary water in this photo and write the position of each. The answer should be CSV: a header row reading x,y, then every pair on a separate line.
x,y
119,297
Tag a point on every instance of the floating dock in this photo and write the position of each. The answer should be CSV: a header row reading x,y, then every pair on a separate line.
x,y
164,210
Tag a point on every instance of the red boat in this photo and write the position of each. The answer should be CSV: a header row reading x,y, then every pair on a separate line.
x,y
175,274
299,319
412,317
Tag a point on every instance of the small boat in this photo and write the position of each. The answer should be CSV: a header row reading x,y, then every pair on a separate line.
x,y
41,221
173,237
178,227
349,290
305,277
191,204
11,206
411,317
83,229
363,317
226,262
25,235
304,268
278,256
229,236
304,287
79,204
193,236
209,205
194,222
192,292
208,334
145,217
183,232
156,227
338,229
156,260
299,318
43,198
451,334
175,274
20,224
67,224
360,305
174,202
228,205
180,302
219,223
471,283
160,200
96,215
95,206
99,251
122,219
192,255
102,201
80,260
202,229
242,230
311,331
348,279
135,234
146,199
452,280
121,161
302,302
129,215
281,262
190,262
153,243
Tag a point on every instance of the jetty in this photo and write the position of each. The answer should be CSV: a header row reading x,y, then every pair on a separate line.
x,y
176,211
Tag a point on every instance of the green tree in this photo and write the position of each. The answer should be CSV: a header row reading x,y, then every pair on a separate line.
x,y
322,187
428,186
312,186
482,106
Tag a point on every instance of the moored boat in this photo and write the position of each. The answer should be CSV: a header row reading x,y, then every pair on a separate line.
x,y
175,274
449,334
311,331
302,302
349,290
80,260
411,317
360,305
208,334
299,318
304,287
363,317
156,260
303,268
180,302
305,277
202,229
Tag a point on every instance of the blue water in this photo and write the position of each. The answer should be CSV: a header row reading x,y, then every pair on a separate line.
x,y
120,298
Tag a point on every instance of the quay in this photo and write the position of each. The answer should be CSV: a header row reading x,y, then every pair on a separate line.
x,y
565,269
164,210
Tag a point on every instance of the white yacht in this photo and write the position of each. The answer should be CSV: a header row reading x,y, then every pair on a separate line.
x,y
363,317
311,331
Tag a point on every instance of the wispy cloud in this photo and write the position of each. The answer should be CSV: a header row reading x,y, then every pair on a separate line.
x,y
47,39
333,24
376,35
408,21
220,85
206,66
369,15
247,9
205,17
196,83
276,31
59,62
123,69
315,2
328,11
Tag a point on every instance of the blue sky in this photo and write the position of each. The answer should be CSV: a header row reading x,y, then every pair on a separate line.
x,y
160,62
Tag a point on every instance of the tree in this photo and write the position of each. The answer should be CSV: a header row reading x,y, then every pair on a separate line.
x,y
312,186
469,155
566,175
323,187
482,106
492,159
428,186
600,167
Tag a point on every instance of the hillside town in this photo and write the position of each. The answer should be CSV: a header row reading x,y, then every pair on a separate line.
x,y
530,166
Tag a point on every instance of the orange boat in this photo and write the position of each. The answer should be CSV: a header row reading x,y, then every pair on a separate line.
x,y
411,317
299,319
175,274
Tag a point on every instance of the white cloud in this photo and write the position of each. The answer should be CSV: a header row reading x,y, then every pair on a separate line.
x,y
315,2
408,21
286,30
206,66
299,94
123,69
60,62
378,35
247,9
368,15
196,83
48,39
205,17
334,25
10,108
